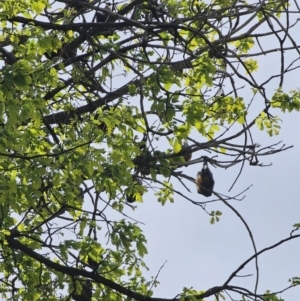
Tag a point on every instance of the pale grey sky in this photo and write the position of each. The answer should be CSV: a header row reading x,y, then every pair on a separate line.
x,y
201,255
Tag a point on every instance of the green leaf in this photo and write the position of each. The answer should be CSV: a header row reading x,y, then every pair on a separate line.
x,y
132,89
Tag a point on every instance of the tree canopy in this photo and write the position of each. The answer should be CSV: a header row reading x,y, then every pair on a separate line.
x,y
101,102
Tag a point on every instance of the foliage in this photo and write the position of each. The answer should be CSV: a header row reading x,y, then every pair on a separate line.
x,y
95,113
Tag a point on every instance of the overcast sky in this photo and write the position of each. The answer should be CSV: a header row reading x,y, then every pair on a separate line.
x,y
201,255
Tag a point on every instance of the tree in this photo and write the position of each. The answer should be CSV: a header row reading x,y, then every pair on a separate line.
x,y
96,104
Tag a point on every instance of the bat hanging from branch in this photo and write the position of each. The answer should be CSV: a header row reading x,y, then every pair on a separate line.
x,y
205,180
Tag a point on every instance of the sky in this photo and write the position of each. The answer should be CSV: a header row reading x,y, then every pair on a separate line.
x,y
201,255
187,251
